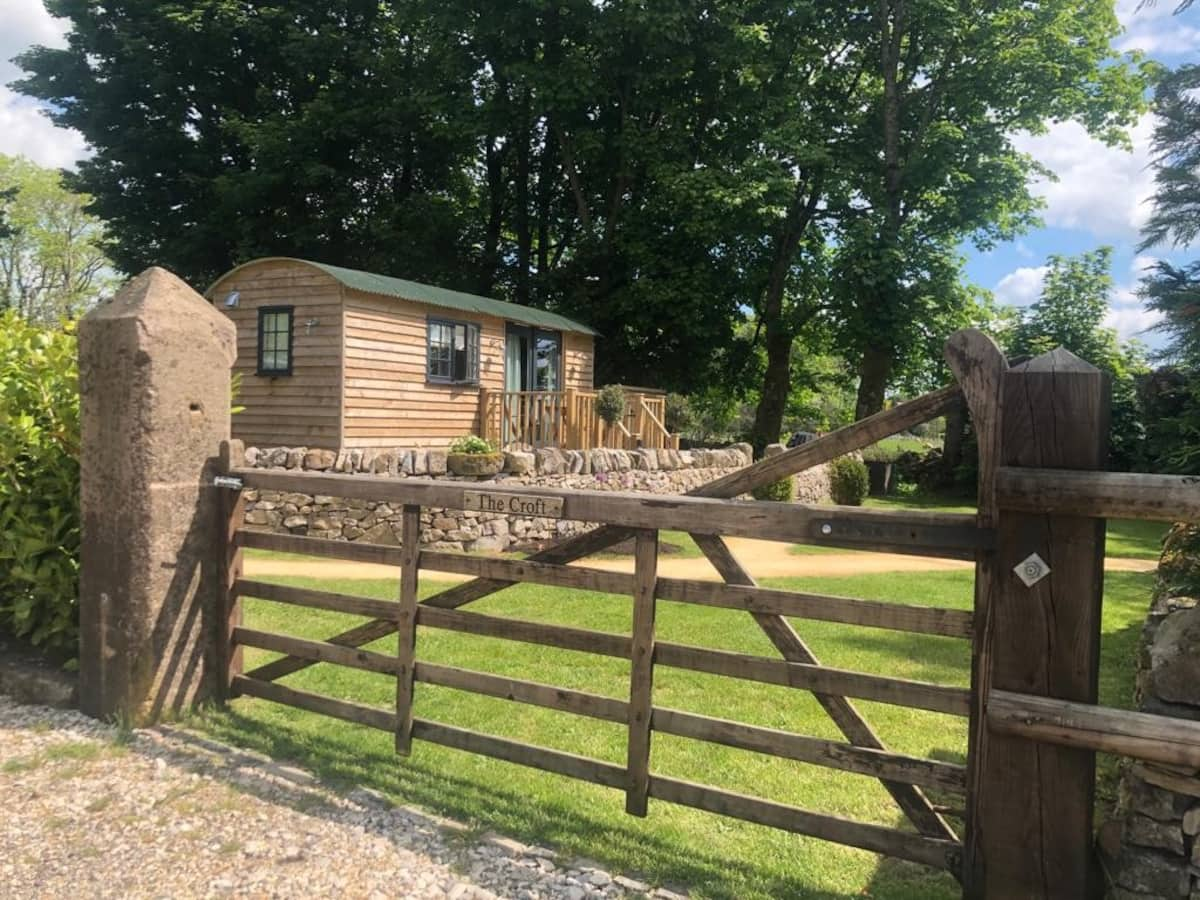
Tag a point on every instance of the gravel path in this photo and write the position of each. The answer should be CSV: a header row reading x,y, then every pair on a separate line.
x,y
93,812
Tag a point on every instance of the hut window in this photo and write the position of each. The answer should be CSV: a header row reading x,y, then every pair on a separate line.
x,y
275,340
453,352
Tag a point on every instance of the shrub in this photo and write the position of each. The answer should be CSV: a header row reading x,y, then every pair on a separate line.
x,y
848,481
471,444
782,491
39,484
679,414
610,403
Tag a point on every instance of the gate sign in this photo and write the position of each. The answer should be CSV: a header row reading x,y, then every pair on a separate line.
x,y
514,504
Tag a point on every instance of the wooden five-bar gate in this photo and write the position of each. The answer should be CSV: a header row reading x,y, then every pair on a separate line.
x,y
1037,542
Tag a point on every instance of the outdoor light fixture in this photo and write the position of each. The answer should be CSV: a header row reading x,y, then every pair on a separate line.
x,y
232,300
310,325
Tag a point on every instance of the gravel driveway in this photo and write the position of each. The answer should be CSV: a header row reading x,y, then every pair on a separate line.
x,y
90,811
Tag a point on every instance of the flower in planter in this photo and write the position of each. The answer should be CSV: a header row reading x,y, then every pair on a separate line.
x,y
471,444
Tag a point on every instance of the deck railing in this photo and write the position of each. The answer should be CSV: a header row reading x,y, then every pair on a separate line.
x,y
568,419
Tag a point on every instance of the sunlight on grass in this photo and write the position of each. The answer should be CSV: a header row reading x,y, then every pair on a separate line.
x,y
714,856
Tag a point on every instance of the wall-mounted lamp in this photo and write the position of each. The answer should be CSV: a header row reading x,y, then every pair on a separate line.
x,y
233,299
310,324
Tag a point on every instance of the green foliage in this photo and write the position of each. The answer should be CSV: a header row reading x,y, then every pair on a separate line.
x,y
1176,212
680,417
849,482
471,444
1070,313
39,484
52,262
610,403
781,491
1169,401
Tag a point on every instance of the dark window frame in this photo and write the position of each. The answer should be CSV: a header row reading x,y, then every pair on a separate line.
x,y
474,343
263,312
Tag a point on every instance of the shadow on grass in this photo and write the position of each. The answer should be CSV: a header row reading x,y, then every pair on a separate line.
x,y
540,820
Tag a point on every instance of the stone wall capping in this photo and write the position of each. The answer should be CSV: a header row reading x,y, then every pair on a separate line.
x,y
603,469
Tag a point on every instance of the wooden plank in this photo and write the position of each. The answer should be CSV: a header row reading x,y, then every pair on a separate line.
x,y
315,599
579,767
940,854
830,446
980,367
843,713
406,625
871,613
520,630
233,513
600,539
818,679
830,754
641,675
1031,832
947,535
528,571
347,711
322,547
1126,495
1143,736
532,693
317,651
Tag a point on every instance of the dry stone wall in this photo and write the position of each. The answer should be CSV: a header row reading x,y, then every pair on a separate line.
x,y
1153,846
648,471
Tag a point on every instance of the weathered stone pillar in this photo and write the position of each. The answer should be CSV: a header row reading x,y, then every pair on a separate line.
x,y
154,368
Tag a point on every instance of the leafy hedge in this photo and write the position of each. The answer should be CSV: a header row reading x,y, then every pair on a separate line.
x,y
783,490
848,481
39,484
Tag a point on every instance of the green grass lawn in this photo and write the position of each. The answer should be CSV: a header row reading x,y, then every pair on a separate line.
x,y
713,856
1127,538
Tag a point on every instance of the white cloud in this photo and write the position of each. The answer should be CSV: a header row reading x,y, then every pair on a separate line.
x,y
1142,265
1022,286
24,129
1099,189
1155,30
1131,321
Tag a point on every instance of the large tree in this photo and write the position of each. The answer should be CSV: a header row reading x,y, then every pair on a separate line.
x,y
51,261
933,161
1070,313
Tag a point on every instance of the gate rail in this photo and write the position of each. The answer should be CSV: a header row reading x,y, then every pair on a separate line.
x,y
951,536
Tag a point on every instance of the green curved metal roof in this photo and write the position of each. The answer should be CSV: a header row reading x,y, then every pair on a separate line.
x,y
386,286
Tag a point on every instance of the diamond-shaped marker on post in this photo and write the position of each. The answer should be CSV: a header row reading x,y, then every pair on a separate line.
x,y
1031,569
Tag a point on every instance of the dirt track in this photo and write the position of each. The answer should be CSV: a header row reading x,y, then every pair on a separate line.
x,y
764,559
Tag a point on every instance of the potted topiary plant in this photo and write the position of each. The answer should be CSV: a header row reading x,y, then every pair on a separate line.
x,y
471,455
610,403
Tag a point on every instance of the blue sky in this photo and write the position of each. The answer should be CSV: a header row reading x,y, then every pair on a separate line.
x,y
1101,193
1099,198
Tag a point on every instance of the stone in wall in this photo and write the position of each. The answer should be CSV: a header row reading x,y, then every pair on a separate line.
x,y
671,472
1158,814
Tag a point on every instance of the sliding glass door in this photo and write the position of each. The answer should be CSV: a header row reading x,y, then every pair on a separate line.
x,y
532,363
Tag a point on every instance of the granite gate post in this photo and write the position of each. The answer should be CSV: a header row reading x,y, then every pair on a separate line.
x,y
154,376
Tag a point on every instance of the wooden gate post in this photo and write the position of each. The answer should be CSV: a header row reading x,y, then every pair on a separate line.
x,y
154,408
1029,833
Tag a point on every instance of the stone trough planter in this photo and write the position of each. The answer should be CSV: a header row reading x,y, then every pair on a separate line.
x,y
480,464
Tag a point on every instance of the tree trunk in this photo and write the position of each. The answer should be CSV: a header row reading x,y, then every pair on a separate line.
x,y
952,447
779,331
777,383
874,372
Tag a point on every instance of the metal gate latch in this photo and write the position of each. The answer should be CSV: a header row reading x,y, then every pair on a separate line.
x,y
1031,569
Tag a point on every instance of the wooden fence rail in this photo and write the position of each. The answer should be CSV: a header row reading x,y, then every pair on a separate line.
x,y
642,517
1036,495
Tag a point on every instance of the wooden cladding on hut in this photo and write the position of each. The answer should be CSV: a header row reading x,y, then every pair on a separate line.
x,y
332,357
